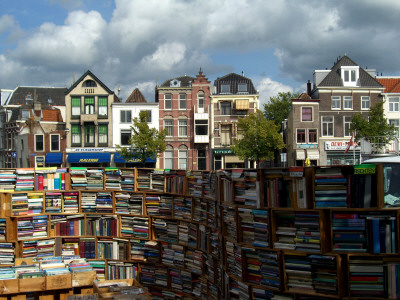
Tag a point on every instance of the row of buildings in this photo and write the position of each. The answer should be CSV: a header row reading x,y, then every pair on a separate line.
x,y
81,125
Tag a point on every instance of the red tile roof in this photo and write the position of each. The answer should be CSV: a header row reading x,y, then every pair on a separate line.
x,y
392,85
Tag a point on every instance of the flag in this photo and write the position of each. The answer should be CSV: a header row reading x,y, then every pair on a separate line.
x,y
349,144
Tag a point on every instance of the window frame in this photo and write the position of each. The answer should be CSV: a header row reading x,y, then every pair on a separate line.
x,y
169,159
225,107
225,88
89,108
183,127
182,158
58,142
337,100
346,126
125,132
36,143
78,108
169,127
327,126
396,123
348,102
124,114
313,132
300,132
363,101
240,88
226,134
182,101
302,113
148,120
101,107
89,132
76,135
168,100
201,100
102,134
393,104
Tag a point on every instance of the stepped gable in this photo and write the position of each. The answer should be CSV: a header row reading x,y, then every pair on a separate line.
x,y
334,78
392,85
136,97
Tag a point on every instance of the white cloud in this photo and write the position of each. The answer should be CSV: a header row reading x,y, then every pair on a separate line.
x,y
268,88
165,57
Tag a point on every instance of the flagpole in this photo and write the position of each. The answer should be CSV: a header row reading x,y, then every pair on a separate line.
x,y
354,148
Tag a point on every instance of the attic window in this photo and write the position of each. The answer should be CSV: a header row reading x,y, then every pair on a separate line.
x,y
350,75
25,115
28,96
242,87
89,83
225,88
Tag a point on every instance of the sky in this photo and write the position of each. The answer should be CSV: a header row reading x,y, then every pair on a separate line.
x,y
138,43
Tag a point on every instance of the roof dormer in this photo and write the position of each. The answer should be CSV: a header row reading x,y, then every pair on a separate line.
x,y
175,83
350,75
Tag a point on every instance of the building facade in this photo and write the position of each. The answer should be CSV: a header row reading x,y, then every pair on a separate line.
x,y
234,97
89,122
344,90
301,131
184,111
122,115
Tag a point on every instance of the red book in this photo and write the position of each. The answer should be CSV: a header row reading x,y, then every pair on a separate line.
x,y
345,216
40,182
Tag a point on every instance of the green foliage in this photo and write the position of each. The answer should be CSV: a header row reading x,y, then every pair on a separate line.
x,y
375,125
259,138
279,107
144,142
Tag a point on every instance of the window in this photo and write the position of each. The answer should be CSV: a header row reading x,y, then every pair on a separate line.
x,y
76,106
25,115
226,108
242,87
54,142
89,105
226,135
169,125
217,162
89,134
336,102
201,159
200,101
348,102
327,126
39,142
103,106
306,114
396,124
126,116
312,136
103,130
182,101
346,125
201,127
393,103
364,102
349,75
169,157
301,136
125,136
89,83
76,134
183,128
225,88
182,157
168,101
148,116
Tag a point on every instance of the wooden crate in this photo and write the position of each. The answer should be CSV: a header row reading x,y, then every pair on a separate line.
x,y
9,286
32,284
58,282
83,278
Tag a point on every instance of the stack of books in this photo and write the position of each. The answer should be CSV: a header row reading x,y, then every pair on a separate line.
x,y
8,179
113,179
95,180
78,178
25,179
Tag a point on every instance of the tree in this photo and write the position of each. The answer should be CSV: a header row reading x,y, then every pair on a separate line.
x,y
279,107
374,127
145,141
259,138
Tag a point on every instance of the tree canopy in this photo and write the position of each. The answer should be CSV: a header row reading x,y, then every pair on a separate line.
x,y
258,138
279,107
145,141
374,126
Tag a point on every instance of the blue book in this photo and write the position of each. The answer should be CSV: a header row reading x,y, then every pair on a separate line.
x,y
376,244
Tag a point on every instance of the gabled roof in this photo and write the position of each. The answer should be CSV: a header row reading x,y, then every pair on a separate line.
x,y
392,85
94,78
334,79
47,113
186,81
42,94
136,97
235,78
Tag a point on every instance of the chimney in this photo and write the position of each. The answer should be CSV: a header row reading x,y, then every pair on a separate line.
x,y
309,88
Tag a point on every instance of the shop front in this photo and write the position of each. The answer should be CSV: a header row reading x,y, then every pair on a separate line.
x,y
89,159
339,153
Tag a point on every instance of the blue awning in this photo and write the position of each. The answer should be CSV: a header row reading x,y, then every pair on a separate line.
x,y
119,159
54,158
89,158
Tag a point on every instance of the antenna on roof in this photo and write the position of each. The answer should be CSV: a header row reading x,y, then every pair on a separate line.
x,y
119,89
242,73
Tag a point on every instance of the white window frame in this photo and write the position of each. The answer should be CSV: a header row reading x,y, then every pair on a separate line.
x,y
51,142
182,158
336,102
396,124
350,75
200,101
183,128
36,149
346,124
297,135
365,102
124,131
393,104
329,124
348,102
168,100
124,116
169,127
182,101
169,157
310,107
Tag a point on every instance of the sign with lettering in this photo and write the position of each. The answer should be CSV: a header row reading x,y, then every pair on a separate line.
x,y
223,151
338,145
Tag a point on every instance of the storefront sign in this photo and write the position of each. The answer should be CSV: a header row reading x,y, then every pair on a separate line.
x,y
90,150
307,146
338,145
223,151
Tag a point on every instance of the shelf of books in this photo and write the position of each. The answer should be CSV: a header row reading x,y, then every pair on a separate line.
x,y
282,233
